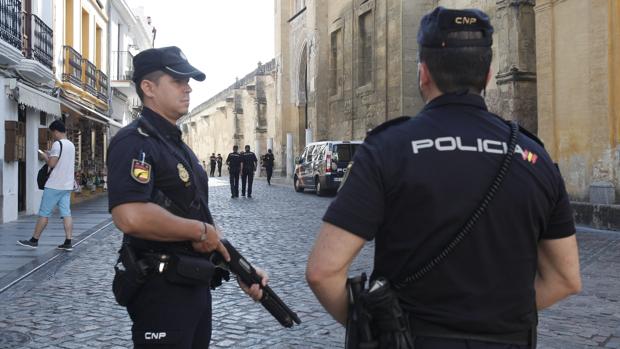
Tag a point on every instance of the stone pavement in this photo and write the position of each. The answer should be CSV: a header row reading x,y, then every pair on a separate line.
x,y
68,303
16,261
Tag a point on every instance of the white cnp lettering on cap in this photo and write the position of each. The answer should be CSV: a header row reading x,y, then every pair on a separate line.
x,y
465,20
456,143
154,335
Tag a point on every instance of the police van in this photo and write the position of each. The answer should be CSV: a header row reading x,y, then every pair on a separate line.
x,y
322,165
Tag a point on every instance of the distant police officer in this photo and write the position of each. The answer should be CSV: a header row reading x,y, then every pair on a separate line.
x,y
433,171
248,166
219,165
158,197
268,160
234,169
212,164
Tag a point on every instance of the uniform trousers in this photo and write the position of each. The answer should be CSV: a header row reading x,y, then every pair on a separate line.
x,y
450,343
167,315
234,181
247,177
269,170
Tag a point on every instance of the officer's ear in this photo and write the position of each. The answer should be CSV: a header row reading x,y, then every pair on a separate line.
x,y
489,77
424,74
147,87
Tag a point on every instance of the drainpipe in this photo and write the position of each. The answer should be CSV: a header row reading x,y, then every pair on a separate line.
x,y
108,55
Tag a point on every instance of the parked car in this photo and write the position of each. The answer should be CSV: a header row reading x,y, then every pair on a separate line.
x,y
322,165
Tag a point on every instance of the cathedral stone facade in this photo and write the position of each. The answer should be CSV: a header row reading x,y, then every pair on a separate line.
x,y
343,67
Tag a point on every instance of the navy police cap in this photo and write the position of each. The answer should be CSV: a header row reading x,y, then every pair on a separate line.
x,y
170,60
435,27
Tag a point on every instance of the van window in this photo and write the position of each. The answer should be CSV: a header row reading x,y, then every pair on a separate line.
x,y
345,151
309,153
318,151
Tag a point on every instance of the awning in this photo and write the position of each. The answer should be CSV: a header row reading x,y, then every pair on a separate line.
x,y
32,97
96,116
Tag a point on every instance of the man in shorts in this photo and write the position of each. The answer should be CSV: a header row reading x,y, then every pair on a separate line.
x,y
61,161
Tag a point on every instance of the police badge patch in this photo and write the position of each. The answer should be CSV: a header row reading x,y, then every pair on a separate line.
x,y
140,171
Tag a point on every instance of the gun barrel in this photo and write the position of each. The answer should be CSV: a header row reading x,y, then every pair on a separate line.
x,y
270,300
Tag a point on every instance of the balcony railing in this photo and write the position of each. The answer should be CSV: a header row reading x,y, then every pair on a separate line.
x,y
37,39
102,86
123,61
10,22
89,77
72,66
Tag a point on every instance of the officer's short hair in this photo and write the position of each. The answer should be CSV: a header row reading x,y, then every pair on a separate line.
x,y
58,125
247,146
152,76
235,147
456,47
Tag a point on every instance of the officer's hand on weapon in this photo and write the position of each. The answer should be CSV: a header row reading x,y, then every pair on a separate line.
x,y
254,291
210,241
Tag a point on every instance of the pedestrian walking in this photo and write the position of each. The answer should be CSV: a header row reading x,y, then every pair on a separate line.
x,y
158,199
469,264
212,164
233,161
219,164
248,166
58,187
268,161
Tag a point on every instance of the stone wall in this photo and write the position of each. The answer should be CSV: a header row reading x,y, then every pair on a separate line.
x,y
242,114
578,57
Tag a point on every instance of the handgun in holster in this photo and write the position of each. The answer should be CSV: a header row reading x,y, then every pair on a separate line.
x,y
130,273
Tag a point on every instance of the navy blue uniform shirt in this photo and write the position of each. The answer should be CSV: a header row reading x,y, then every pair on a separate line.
x,y
249,161
234,160
140,164
415,182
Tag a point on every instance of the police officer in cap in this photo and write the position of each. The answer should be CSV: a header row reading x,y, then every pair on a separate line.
x,y
234,169
434,169
158,197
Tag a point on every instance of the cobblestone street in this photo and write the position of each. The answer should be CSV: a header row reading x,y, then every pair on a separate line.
x,y
69,304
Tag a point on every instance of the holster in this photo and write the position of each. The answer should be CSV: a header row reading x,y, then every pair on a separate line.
x,y
129,275
389,323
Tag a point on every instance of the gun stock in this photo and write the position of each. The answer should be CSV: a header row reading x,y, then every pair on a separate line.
x,y
244,270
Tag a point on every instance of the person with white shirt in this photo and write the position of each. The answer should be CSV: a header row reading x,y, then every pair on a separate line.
x,y
57,192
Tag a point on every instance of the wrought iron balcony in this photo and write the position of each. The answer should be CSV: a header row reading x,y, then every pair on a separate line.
x,y
89,77
102,86
72,66
122,65
37,39
10,22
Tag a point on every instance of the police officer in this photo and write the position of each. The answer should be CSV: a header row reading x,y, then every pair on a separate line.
x,y
268,160
219,164
233,161
158,197
212,164
521,255
248,166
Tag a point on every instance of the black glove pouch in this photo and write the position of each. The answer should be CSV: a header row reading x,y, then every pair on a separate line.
x,y
189,270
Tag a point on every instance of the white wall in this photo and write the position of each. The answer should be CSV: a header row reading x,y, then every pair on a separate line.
x,y
8,109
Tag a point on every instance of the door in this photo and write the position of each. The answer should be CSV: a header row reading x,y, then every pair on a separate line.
x,y
21,161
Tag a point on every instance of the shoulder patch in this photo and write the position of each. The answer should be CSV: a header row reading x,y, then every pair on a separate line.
x,y
387,124
140,171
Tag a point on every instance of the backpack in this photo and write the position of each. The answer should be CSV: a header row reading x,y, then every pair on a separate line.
x,y
44,172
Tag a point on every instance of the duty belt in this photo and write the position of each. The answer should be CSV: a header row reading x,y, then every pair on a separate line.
x,y
422,328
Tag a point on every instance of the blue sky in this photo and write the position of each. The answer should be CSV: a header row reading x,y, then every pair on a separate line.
x,y
223,38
